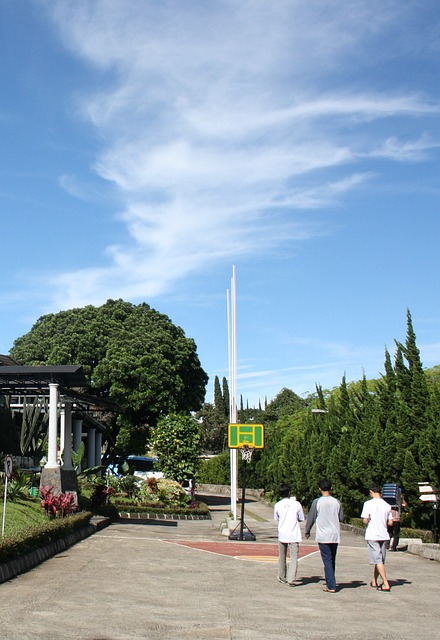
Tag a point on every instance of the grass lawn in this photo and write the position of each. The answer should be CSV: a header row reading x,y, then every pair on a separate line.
x,y
22,515
27,527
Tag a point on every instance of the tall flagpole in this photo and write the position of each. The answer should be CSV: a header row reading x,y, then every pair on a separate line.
x,y
232,360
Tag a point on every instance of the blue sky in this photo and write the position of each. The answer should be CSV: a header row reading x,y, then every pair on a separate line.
x,y
146,147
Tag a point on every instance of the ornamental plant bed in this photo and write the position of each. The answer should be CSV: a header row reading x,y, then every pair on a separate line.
x,y
196,508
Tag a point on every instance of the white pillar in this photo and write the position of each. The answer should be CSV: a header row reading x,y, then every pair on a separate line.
x,y
91,447
52,462
67,451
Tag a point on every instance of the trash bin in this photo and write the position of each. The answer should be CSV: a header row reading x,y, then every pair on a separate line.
x,y
34,491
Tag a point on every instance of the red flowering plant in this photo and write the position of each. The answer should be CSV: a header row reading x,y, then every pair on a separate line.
x,y
57,505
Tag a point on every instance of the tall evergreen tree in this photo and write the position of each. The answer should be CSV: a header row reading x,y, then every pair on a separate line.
x,y
344,427
386,390
226,397
404,434
218,397
363,462
419,394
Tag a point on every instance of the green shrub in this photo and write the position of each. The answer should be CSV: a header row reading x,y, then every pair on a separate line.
x,y
195,508
405,532
270,497
215,470
423,534
128,484
86,503
18,488
125,504
20,542
357,522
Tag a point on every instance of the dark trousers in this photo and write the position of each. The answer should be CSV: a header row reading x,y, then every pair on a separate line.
x,y
328,554
394,533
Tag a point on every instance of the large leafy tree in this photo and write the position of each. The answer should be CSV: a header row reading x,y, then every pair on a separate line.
x,y
131,354
177,440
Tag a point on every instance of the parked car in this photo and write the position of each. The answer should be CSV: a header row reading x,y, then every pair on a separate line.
x,y
144,467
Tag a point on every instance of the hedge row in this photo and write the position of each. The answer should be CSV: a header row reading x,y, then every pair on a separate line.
x,y
423,534
199,509
14,545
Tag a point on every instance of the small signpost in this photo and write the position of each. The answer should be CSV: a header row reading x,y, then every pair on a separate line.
x,y
429,493
9,466
245,437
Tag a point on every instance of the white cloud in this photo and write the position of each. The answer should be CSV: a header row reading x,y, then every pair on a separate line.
x,y
405,151
219,120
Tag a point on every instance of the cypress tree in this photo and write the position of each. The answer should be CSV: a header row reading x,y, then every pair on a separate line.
x,y
386,389
404,434
225,390
218,398
419,387
343,427
403,378
364,464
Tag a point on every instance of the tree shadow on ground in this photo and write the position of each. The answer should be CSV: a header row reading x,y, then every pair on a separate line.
x,y
148,522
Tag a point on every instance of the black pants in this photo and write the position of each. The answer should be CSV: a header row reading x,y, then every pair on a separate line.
x,y
394,532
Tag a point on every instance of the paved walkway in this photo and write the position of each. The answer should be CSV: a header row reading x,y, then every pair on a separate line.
x,y
179,580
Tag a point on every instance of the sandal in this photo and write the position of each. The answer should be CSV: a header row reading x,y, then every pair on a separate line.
x,y
382,588
329,590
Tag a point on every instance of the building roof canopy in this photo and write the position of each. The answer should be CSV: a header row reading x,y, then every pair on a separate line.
x,y
22,379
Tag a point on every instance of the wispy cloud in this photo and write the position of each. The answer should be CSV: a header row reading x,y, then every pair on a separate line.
x,y
327,364
220,120
406,151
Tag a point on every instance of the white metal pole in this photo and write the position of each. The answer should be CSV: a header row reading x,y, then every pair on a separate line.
x,y
233,390
4,506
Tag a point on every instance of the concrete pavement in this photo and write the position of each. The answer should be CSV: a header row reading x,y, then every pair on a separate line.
x,y
183,579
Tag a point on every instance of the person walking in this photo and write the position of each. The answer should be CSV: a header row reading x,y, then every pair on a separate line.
x,y
376,514
394,531
327,513
288,512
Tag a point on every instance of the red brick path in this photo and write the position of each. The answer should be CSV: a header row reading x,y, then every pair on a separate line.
x,y
243,550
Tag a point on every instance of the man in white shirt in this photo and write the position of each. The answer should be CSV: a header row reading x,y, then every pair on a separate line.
x,y
289,513
327,512
376,514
